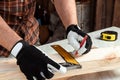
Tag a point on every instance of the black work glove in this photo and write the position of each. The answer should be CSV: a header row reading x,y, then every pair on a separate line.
x,y
79,40
33,63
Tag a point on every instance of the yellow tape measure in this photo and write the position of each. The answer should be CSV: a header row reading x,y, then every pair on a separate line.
x,y
109,35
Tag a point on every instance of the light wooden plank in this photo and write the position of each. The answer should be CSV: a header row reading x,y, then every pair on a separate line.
x,y
9,70
101,59
96,60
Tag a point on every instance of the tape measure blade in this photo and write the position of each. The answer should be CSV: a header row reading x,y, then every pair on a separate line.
x,y
64,54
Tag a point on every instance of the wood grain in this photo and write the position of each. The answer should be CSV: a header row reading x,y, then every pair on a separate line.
x,y
9,70
95,61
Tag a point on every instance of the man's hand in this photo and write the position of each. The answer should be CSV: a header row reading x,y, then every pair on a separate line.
x,y
79,40
33,63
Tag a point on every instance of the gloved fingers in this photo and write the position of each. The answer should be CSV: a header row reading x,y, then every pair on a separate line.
x,y
47,70
26,72
83,46
82,49
73,40
74,43
31,71
28,76
46,73
55,66
80,38
34,74
38,76
54,69
86,46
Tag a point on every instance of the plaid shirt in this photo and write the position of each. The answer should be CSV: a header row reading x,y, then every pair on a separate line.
x,y
19,15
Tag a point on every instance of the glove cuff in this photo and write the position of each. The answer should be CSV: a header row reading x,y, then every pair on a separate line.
x,y
72,27
16,48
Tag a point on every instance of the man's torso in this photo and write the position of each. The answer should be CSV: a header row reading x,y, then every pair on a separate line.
x,y
19,15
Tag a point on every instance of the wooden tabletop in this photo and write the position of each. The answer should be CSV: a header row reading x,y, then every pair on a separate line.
x,y
107,69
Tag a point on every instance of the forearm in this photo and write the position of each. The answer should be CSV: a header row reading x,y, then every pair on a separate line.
x,y
7,36
67,11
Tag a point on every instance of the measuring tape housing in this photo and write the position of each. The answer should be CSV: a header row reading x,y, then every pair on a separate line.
x,y
109,35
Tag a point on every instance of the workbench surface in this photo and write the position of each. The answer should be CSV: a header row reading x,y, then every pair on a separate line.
x,y
10,71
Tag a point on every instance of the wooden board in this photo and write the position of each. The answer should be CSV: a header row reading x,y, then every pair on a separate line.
x,y
101,59
9,70
96,60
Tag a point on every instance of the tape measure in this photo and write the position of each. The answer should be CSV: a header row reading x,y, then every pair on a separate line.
x,y
109,35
